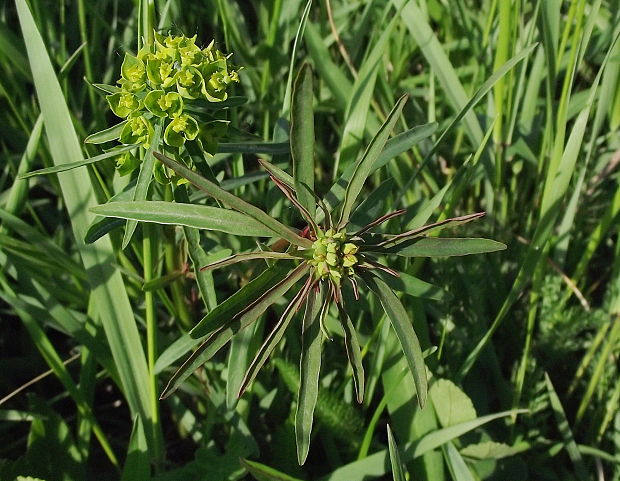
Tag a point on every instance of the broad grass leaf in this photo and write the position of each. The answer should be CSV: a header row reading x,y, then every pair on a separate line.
x,y
109,294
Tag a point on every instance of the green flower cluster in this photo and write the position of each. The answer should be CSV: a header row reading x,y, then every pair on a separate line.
x,y
333,256
159,83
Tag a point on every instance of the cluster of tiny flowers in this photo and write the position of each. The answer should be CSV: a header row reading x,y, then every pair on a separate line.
x,y
333,257
159,82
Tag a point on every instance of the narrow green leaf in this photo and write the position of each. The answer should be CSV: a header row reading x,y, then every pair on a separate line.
x,y
269,148
80,163
108,294
264,473
309,368
456,463
302,137
237,364
437,438
404,331
352,346
190,215
249,256
412,286
235,202
144,180
436,226
106,135
360,98
245,296
137,465
364,166
398,472
394,147
566,432
445,246
100,226
278,173
274,337
217,339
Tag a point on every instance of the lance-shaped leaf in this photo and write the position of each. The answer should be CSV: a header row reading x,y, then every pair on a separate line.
x,y
309,368
221,314
302,137
106,135
234,259
216,340
72,165
190,215
144,179
397,466
277,173
245,296
404,332
354,353
270,148
235,202
265,473
443,247
274,337
430,228
364,166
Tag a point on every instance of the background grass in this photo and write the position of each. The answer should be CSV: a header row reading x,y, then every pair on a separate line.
x,y
536,146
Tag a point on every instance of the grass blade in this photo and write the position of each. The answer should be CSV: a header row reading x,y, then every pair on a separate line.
x,y
80,163
302,138
190,215
108,294
397,466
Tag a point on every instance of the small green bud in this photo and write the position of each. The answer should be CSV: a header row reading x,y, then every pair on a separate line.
x,y
332,259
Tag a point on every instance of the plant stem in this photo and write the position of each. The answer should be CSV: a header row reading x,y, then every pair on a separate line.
x,y
151,338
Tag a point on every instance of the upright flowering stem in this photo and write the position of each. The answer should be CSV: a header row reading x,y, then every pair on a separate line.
x,y
145,39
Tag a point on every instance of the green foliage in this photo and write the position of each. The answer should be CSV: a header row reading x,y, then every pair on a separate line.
x,y
507,109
